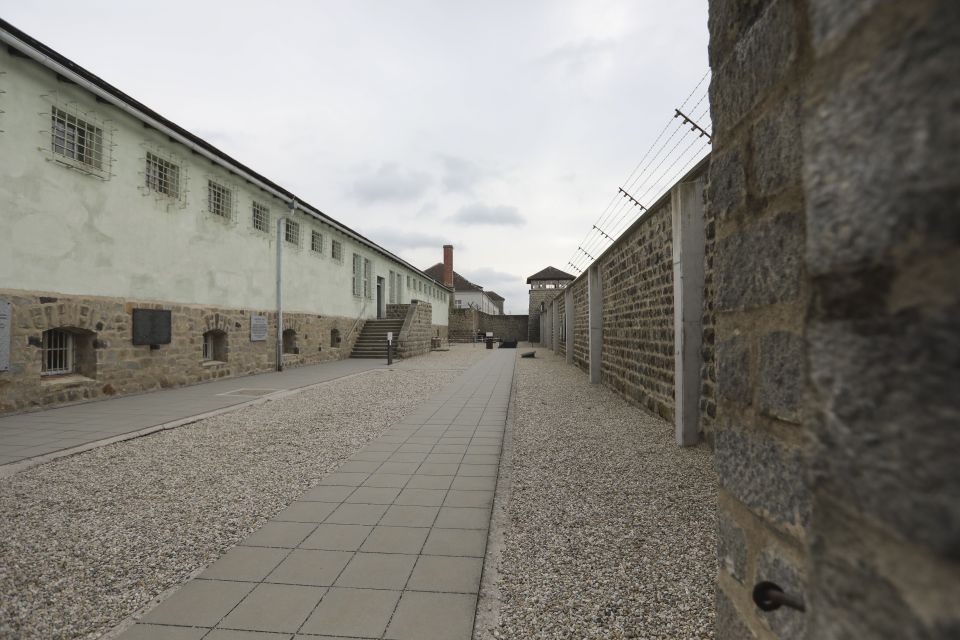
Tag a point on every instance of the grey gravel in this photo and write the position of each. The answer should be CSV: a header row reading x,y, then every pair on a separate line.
x,y
87,540
610,528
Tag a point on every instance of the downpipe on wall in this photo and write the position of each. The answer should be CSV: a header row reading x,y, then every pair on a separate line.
x,y
281,221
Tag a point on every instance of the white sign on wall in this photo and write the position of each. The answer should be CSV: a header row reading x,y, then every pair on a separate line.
x,y
5,322
390,337
258,328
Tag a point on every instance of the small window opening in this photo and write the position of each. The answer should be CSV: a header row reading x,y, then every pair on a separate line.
x,y
290,341
334,337
215,346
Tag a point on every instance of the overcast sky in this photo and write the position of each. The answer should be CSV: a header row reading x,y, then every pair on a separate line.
x,y
502,128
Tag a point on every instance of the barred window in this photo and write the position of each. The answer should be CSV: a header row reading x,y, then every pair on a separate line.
x,y
292,232
392,296
215,346
73,138
357,261
316,242
261,217
336,251
163,176
58,352
219,199
367,289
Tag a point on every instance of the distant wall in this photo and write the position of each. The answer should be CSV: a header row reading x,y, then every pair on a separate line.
x,y
465,323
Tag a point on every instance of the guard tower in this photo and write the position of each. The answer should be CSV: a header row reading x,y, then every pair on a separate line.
x,y
543,286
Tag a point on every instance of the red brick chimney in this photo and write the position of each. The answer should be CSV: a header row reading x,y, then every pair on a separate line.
x,y
448,265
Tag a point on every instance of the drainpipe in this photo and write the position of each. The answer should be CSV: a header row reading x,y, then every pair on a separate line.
x,y
280,229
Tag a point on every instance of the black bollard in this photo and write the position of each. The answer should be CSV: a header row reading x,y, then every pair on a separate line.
x,y
389,352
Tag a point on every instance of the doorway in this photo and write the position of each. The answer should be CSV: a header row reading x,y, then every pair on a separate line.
x,y
381,307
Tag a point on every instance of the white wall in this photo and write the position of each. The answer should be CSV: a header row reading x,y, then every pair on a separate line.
x,y
478,300
72,233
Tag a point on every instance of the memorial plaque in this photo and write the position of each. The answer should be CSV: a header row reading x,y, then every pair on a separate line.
x,y
258,328
389,336
6,320
151,326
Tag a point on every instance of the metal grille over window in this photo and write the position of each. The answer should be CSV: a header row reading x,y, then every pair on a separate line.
x,y
219,200
356,274
57,347
316,242
162,176
367,290
261,217
336,250
76,139
292,232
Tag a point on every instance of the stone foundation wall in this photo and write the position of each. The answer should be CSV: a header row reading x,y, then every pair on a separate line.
x,y
581,347
414,338
465,323
108,363
533,316
637,283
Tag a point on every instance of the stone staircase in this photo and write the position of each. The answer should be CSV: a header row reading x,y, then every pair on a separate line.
x,y
372,341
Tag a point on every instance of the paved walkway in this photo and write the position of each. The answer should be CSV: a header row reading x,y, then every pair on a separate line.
x,y
391,545
41,433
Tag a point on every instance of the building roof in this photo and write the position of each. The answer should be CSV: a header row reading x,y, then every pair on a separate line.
x,y
495,296
459,282
551,273
40,53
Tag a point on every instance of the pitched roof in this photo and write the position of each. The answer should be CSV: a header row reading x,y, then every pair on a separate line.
x,y
551,273
459,282
493,295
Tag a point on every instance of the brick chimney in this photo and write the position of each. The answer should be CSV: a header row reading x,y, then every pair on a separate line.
x,y
448,265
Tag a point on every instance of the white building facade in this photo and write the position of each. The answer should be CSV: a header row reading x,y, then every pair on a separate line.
x,y
108,208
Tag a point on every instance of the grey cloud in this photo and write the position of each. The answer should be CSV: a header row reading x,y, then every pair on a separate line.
x,y
485,214
492,279
459,174
396,240
576,57
391,183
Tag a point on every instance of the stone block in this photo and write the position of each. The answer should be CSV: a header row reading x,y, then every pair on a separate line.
x,y
728,20
774,566
880,141
727,187
733,370
780,375
759,61
764,474
729,623
731,547
761,265
777,156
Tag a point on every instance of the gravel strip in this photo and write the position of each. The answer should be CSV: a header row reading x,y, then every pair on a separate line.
x,y
87,540
610,528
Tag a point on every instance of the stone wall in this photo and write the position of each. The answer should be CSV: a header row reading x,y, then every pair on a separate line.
x,y
417,331
465,323
834,188
637,283
581,348
533,322
109,364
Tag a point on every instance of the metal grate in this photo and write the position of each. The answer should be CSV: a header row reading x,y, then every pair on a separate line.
x,y
162,176
219,200
76,139
367,291
316,241
261,217
336,250
291,232
57,347
356,274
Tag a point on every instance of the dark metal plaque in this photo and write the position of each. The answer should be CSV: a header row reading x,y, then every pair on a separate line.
x,y
151,326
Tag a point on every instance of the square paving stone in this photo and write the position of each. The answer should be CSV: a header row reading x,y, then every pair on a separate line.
x,y
482,470
381,446
327,493
408,456
345,479
395,540
415,448
433,616
358,466
476,458
398,467
409,516
309,567
199,603
162,632
306,512
247,564
445,458
374,495
437,469
371,456
446,574
474,483
236,634
422,497
357,514
450,448
462,518
279,534
352,612
377,571
386,480
418,481
274,607
337,537
480,499
456,542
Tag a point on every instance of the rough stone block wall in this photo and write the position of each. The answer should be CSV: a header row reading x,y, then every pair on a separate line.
x,y
562,320
581,320
708,369
111,365
512,327
637,284
417,331
533,322
759,299
463,324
